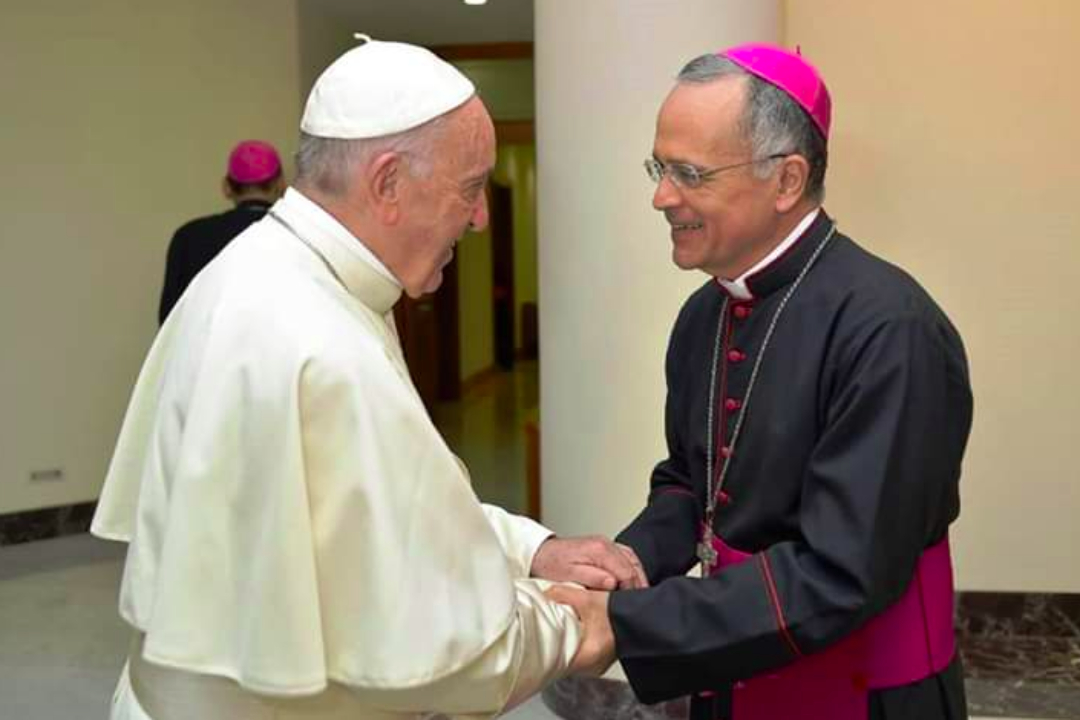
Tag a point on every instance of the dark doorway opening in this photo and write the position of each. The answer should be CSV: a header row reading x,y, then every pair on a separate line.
x,y
430,340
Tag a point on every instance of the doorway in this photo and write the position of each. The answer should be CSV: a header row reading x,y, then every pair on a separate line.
x,y
430,340
502,275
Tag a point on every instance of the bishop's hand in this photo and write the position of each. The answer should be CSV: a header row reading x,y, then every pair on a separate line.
x,y
592,561
597,650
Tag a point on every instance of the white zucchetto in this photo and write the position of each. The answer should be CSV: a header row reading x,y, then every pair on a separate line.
x,y
382,88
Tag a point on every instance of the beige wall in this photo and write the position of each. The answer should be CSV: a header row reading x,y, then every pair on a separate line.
x,y
323,33
117,120
954,155
609,292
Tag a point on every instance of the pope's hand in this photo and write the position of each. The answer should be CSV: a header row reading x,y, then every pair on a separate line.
x,y
592,561
597,650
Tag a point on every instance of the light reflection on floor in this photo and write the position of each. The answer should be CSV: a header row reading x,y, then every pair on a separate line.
x,y
487,431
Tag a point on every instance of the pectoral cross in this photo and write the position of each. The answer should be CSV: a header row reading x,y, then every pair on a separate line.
x,y
705,551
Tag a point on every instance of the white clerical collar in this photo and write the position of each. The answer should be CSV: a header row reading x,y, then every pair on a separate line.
x,y
346,255
335,230
738,288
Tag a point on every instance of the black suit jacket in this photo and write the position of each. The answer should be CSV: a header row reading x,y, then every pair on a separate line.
x,y
196,243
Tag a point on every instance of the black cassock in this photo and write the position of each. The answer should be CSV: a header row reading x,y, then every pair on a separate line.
x,y
846,468
198,242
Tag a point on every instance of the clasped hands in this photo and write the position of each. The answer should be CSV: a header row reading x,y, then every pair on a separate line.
x,y
601,566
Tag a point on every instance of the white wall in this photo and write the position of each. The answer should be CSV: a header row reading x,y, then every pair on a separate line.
x,y
117,120
957,126
609,292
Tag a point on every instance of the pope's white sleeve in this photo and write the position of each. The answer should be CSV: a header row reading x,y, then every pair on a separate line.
x,y
535,650
519,536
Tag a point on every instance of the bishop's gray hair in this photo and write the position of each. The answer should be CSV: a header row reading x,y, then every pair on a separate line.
x,y
772,122
330,164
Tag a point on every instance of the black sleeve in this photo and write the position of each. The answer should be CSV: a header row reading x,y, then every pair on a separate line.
x,y
664,535
881,486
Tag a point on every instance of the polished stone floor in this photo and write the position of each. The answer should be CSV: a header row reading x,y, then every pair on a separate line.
x,y
61,641
487,431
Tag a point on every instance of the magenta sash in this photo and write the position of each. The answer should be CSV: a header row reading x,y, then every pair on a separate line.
x,y
912,640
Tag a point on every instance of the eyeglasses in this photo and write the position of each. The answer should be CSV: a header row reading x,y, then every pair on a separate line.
x,y
689,176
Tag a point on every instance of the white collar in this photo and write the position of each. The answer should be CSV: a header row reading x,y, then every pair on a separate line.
x,y
353,264
299,203
738,288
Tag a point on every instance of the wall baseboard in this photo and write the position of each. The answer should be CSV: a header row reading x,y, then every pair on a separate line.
x,y
30,525
479,378
1017,648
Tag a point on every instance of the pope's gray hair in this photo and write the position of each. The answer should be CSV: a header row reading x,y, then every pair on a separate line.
x,y
330,164
772,122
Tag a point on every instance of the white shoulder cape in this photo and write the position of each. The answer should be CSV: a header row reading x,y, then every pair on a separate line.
x,y
294,518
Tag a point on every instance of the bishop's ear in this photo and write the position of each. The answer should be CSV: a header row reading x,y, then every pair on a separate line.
x,y
792,176
226,189
386,181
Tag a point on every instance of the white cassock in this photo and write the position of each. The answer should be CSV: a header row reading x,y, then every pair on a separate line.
x,y
302,543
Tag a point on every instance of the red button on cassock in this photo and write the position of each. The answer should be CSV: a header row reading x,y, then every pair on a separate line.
x,y
725,451
731,404
736,356
742,311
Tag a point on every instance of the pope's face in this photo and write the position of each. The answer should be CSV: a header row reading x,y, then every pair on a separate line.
x,y
725,225
451,199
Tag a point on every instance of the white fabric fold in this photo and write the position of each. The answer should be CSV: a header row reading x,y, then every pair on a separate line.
x,y
294,518
519,536
534,651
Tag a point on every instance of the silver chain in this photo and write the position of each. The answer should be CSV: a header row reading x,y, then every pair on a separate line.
x,y
713,492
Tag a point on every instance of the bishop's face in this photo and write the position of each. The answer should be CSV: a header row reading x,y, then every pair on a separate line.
x,y
725,225
451,199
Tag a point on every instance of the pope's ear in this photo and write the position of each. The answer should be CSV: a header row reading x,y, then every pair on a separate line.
x,y
385,181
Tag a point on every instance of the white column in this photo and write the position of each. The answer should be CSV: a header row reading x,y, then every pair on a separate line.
x,y
609,292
